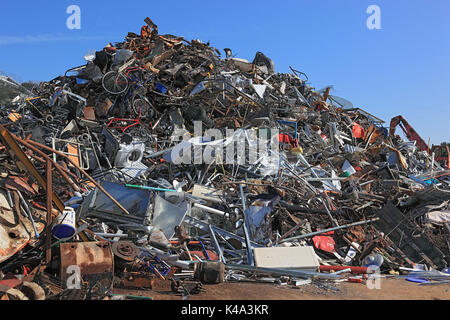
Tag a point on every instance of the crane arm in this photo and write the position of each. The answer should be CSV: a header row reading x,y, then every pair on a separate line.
x,y
411,134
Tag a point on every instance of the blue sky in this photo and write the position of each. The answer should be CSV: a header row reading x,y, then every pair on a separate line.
x,y
402,69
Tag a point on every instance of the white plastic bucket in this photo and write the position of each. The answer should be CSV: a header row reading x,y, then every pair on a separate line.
x,y
65,227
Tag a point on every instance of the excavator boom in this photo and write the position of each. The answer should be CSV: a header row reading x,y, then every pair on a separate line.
x,y
441,152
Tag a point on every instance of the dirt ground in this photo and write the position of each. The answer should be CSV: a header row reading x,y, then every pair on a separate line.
x,y
391,289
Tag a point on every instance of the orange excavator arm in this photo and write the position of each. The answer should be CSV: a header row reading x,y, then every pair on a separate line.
x,y
412,135
409,131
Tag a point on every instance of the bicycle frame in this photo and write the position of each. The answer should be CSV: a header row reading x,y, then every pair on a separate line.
x,y
124,128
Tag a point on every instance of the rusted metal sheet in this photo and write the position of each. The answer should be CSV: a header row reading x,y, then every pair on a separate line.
x,y
15,230
94,259
21,184
139,280
407,237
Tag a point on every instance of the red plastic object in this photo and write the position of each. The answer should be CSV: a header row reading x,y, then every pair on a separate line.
x,y
354,270
324,243
358,131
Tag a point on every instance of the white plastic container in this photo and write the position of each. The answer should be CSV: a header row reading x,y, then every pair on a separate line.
x,y
65,227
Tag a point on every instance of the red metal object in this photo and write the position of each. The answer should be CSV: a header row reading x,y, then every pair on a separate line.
x,y
354,270
355,280
94,260
138,280
11,283
123,124
442,154
20,183
201,254
287,139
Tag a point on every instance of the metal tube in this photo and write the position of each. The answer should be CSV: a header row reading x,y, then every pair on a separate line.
x,y
48,238
205,227
216,245
60,169
211,210
330,229
283,272
28,211
111,235
246,233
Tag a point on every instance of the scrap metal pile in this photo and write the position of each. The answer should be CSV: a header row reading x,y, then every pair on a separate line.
x,y
96,195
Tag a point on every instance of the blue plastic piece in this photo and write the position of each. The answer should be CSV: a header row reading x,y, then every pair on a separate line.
x,y
161,88
417,280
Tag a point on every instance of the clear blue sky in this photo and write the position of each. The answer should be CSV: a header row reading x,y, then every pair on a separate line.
x,y
402,69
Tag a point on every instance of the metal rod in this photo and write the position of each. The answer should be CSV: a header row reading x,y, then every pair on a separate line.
x,y
14,149
282,272
216,245
84,173
48,237
246,233
60,169
28,211
205,227
330,229
210,210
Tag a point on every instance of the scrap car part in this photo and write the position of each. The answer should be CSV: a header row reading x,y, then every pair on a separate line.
x,y
94,260
125,250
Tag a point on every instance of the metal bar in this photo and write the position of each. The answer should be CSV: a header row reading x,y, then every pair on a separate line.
x,y
297,226
60,169
282,272
48,238
216,245
30,215
211,210
330,229
84,173
250,260
205,227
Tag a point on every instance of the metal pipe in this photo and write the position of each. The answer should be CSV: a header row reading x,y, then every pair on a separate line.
x,y
326,179
60,169
216,245
28,211
354,270
211,210
283,272
246,233
111,235
330,229
205,227
48,238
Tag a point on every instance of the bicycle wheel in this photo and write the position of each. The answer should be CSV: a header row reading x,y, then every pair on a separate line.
x,y
115,82
141,108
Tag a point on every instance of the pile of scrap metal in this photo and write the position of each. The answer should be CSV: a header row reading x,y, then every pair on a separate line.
x,y
95,194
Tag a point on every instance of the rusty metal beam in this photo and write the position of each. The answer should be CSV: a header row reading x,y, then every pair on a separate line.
x,y
48,238
82,172
16,152
64,173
